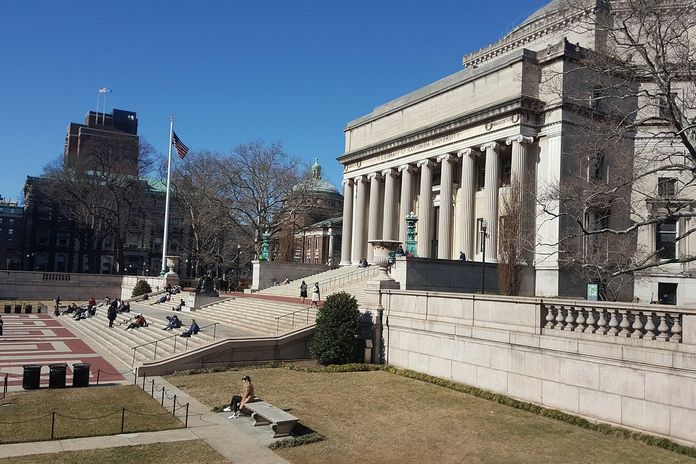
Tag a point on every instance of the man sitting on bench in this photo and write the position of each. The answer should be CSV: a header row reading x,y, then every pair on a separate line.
x,y
237,402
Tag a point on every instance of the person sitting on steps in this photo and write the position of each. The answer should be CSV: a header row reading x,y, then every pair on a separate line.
x,y
174,323
192,330
137,322
178,307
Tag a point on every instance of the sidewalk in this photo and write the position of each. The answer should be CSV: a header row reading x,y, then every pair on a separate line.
x,y
238,440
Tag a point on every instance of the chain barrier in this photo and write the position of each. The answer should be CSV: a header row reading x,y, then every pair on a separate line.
x,y
175,401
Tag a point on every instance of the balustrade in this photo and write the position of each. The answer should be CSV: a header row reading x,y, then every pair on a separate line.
x,y
617,322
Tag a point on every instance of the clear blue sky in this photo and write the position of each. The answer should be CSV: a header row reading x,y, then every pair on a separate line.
x,y
230,71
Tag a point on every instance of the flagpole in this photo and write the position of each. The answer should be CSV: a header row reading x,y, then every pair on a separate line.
x,y
166,205
96,114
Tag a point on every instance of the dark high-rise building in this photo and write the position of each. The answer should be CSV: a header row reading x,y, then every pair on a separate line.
x,y
11,234
113,136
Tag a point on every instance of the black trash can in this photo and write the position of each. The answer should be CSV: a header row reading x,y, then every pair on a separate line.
x,y
32,377
80,375
56,376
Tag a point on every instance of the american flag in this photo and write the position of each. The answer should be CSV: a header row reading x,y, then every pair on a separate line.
x,y
181,149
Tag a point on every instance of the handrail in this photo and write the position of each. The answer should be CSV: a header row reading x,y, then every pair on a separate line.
x,y
342,280
278,318
135,348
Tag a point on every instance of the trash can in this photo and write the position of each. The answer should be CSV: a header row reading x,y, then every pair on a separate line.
x,y
32,377
80,375
56,376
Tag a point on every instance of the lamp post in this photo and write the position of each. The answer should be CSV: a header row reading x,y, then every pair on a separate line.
x,y
484,236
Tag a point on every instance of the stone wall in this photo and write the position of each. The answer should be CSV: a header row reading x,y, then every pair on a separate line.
x,y
33,285
266,271
551,352
443,275
235,351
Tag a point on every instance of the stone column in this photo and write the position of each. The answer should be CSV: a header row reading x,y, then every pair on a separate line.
x,y
466,204
359,239
374,228
389,229
444,234
490,209
520,145
406,202
347,232
330,260
425,206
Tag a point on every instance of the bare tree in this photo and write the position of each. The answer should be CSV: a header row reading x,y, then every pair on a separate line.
x,y
263,188
99,195
630,153
214,236
513,240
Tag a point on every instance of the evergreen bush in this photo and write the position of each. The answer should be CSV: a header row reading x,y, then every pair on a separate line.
x,y
141,288
338,323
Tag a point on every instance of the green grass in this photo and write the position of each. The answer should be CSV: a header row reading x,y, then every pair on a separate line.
x,y
394,415
181,452
80,412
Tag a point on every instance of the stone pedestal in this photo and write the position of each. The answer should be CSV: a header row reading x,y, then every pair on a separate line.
x,y
373,289
171,277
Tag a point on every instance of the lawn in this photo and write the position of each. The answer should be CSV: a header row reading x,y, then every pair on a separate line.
x,y
80,412
382,417
182,452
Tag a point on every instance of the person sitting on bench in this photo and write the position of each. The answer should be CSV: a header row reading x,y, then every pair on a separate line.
x,y
238,401
192,330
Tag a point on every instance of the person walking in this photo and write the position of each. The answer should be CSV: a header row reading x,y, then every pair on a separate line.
x,y
56,307
238,401
316,295
111,314
303,291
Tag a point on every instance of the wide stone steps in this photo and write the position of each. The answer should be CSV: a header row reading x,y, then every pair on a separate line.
x,y
349,279
120,342
259,315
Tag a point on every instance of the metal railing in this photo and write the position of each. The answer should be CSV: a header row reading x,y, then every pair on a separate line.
x,y
156,342
350,278
292,314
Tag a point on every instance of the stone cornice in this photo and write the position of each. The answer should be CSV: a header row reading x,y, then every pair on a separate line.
x,y
522,103
525,34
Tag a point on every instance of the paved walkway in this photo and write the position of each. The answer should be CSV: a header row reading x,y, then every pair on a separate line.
x,y
238,440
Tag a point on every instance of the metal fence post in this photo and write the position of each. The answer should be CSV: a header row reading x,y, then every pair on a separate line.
x,y
152,393
175,343
186,420
98,374
123,419
174,406
144,377
214,330
162,396
53,424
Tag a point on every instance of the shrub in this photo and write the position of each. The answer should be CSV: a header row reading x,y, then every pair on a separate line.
x,y
141,288
338,323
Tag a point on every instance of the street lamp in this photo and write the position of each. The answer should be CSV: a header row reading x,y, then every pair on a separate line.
x,y
484,236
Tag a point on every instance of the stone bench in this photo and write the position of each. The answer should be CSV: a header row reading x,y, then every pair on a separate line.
x,y
264,413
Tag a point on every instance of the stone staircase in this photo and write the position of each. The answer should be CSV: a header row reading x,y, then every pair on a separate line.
x,y
260,315
350,279
120,342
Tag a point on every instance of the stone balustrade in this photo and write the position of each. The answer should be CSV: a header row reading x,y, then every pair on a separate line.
x,y
591,318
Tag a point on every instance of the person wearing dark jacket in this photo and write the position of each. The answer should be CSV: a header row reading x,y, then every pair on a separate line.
x,y
111,314
192,330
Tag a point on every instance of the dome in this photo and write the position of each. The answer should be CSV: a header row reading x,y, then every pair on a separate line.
x,y
552,8
315,183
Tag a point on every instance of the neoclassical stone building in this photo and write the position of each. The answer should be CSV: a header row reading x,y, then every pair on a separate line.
x,y
449,152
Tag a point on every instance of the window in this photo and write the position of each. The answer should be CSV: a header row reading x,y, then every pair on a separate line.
x,y
11,221
665,239
505,169
480,173
663,105
10,232
666,187
597,167
667,293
